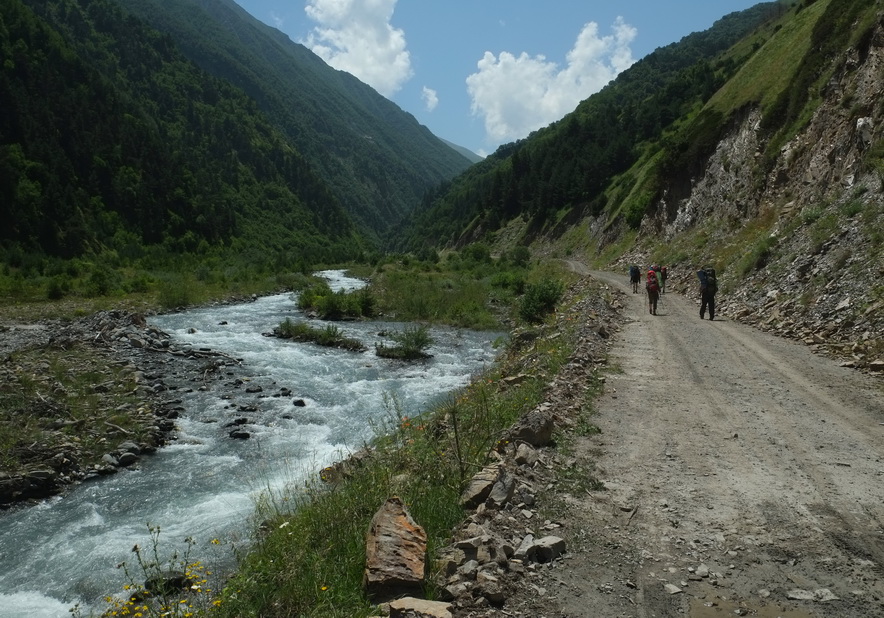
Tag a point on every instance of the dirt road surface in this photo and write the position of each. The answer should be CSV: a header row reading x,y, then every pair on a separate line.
x,y
744,476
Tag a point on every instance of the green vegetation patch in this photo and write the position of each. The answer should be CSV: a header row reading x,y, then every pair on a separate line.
x,y
461,291
540,299
330,336
319,297
411,344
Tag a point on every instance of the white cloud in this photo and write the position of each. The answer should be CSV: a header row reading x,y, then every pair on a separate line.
x,y
430,97
356,36
516,95
278,21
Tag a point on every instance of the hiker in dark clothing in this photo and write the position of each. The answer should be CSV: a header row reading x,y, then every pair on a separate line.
x,y
708,288
635,276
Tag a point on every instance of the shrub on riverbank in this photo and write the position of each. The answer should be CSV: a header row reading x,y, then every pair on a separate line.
x,y
339,305
411,344
540,299
330,336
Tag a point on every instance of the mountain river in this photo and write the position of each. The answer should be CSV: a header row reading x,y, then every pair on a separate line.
x,y
205,484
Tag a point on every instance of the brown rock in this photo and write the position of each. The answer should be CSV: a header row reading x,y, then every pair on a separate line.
x,y
410,607
535,427
480,487
396,549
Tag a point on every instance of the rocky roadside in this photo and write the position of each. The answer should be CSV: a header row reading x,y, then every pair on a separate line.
x,y
505,558
86,398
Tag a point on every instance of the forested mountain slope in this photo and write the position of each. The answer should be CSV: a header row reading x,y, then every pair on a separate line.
x,y
110,139
378,160
569,165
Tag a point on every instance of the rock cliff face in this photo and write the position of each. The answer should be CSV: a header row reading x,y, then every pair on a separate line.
x,y
803,237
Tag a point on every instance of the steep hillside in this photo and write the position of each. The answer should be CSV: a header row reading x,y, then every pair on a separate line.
x,y
112,141
377,158
565,170
789,206
755,147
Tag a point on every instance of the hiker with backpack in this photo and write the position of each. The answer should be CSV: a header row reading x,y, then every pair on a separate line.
x,y
708,288
652,285
664,274
634,277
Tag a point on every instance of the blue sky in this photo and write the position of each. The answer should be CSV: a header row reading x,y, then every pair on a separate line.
x,y
481,73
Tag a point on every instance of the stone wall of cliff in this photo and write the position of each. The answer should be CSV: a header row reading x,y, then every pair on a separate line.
x,y
798,239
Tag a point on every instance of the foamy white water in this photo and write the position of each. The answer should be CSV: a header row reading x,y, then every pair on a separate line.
x,y
205,485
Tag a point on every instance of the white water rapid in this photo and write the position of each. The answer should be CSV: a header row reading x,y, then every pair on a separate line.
x,y
204,485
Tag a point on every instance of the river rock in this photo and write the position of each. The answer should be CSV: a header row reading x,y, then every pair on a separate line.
x,y
11,489
168,582
526,455
129,447
127,458
396,549
502,491
543,550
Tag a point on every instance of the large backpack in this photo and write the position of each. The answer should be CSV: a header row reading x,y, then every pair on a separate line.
x,y
633,272
711,282
652,284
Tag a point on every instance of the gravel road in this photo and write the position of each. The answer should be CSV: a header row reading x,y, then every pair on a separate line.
x,y
744,475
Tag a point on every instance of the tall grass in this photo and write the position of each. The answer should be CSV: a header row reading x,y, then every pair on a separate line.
x,y
460,292
411,344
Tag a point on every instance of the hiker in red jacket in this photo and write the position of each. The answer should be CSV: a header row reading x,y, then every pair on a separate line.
x,y
652,285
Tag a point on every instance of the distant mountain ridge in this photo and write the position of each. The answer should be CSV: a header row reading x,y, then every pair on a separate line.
x,y
572,164
377,159
469,154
